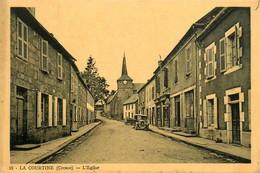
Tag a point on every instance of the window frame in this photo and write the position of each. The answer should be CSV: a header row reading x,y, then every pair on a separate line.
x,y
176,80
44,55
188,60
207,51
23,41
222,55
60,68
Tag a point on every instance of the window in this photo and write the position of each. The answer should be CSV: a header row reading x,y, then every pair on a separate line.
x,y
152,92
44,110
59,66
72,82
222,54
22,40
59,111
230,50
210,112
176,71
158,84
188,61
210,62
44,59
166,78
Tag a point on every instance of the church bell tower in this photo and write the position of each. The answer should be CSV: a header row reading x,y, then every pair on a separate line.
x,y
124,82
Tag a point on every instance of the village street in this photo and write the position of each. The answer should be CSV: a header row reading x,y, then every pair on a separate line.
x,y
115,142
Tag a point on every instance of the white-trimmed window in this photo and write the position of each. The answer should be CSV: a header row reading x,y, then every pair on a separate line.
x,y
232,48
44,57
59,57
22,40
210,60
188,61
210,112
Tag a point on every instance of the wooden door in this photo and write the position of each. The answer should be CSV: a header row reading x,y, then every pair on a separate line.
x,y
21,122
235,123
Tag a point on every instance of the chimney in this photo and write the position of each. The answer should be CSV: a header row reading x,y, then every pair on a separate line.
x,y
160,61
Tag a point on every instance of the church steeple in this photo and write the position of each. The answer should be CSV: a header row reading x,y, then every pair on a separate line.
x,y
124,69
124,75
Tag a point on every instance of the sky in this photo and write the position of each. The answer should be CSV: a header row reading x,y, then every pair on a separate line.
x,y
106,29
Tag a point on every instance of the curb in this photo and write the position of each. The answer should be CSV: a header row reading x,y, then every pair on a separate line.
x,y
241,159
60,147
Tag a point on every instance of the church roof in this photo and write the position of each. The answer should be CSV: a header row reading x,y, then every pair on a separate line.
x,y
137,86
124,75
132,99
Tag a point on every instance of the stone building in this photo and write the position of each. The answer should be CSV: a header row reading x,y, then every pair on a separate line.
x,y
125,89
130,106
224,77
40,82
176,81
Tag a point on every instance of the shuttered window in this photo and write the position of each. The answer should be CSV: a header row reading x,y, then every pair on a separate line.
x,y
59,66
166,78
64,118
22,40
222,55
44,57
175,71
188,61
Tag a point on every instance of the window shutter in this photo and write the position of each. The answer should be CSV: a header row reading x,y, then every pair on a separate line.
x,y
55,111
205,118
239,49
215,112
64,112
39,113
249,108
50,110
76,114
215,60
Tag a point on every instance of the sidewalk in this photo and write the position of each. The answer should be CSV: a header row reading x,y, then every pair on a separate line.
x,y
48,148
237,152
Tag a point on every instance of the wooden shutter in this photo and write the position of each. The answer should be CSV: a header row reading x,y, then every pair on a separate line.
x,y
55,111
39,113
205,118
50,110
64,112
215,112
166,78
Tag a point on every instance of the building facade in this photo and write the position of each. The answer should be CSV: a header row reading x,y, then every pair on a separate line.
x,y
41,68
224,77
131,106
125,89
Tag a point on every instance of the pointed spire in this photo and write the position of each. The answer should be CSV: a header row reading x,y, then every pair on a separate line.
x,y
124,70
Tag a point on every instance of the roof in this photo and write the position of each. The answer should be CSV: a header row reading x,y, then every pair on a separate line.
x,y
218,17
132,99
201,23
137,86
110,98
125,77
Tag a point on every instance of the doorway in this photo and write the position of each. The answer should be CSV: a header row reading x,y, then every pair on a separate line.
x,y
235,123
21,117
177,111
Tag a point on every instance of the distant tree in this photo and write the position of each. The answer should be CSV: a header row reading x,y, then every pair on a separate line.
x,y
96,84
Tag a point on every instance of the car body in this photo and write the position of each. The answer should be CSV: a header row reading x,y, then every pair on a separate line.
x,y
141,122
130,121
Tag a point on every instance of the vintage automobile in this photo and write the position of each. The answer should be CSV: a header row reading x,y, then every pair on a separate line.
x,y
141,122
130,121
